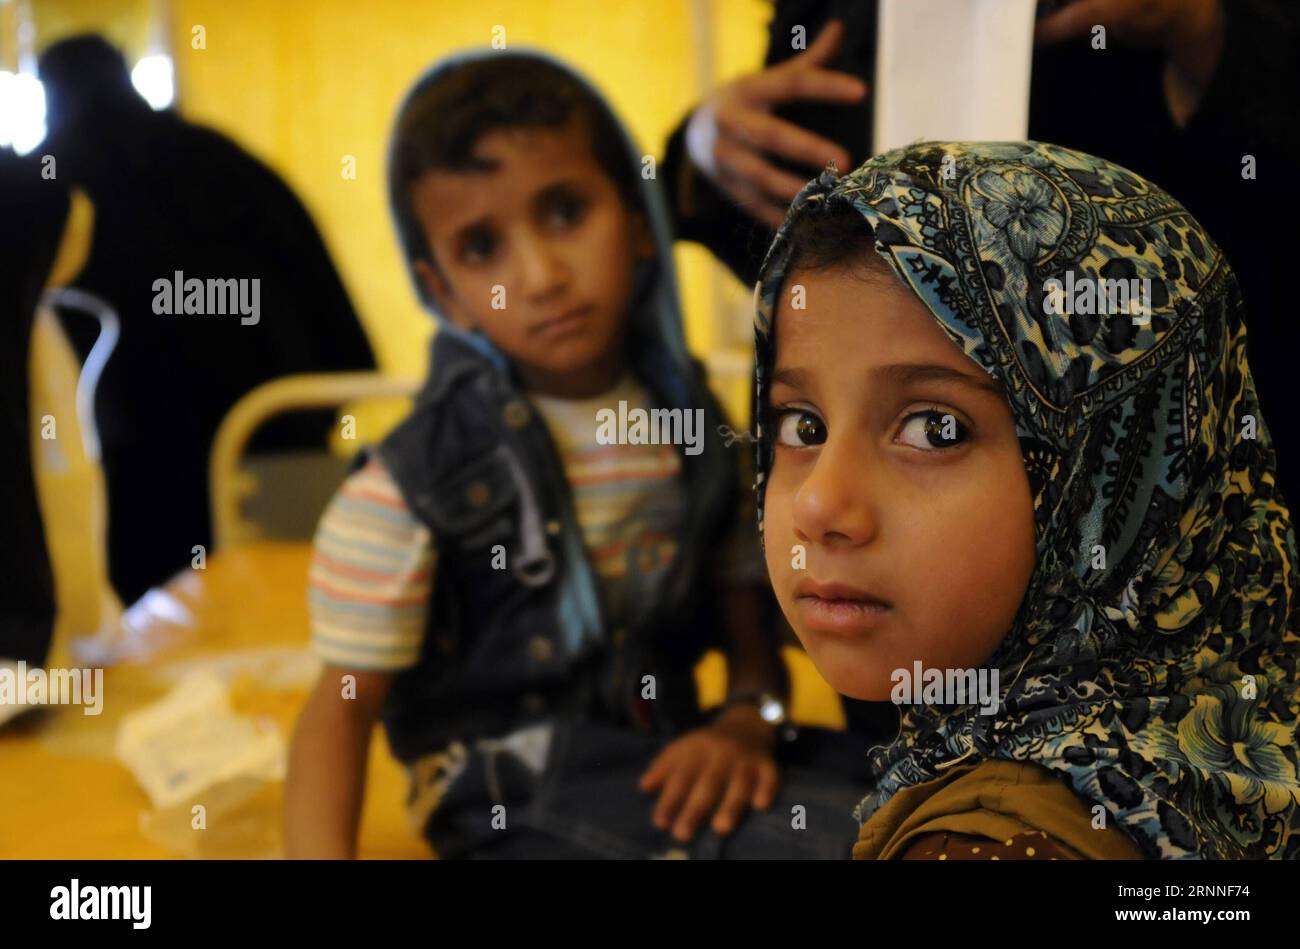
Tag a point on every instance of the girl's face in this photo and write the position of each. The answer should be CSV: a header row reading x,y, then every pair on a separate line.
x,y
898,520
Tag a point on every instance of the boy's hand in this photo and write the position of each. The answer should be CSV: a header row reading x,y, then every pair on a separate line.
x,y
721,768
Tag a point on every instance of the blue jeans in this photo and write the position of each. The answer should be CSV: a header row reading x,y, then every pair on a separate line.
x,y
585,803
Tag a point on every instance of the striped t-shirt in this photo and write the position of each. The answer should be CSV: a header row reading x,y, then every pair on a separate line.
x,y
374,562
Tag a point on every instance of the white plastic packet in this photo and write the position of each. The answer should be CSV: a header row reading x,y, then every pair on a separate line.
x,y
190,741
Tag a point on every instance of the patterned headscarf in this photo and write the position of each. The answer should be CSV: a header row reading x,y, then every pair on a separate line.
x,y
1153,660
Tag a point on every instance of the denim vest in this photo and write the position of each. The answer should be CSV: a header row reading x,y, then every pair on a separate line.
x,y
508,642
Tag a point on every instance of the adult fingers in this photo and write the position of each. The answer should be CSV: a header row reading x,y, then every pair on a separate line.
x,y
1074,19
824,46
754,202
775,136
740,161
783,84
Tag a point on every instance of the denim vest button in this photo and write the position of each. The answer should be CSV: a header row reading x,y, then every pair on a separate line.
x,y
540,648
516,413
478,494
534,704
553,528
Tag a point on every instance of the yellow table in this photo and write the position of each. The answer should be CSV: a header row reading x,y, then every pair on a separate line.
x,y
63,795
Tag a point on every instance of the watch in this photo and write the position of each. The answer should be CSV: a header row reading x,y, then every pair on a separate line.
x,y
771,707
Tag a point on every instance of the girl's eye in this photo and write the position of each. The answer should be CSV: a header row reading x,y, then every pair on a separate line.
x,y
928,431
799,428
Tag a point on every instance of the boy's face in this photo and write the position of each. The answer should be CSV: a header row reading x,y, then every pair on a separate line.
x,y
898,470
538,252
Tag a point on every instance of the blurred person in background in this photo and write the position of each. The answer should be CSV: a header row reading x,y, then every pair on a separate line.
x,y
36,211
170,197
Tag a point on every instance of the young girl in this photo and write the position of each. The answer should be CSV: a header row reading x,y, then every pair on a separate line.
x,y
1013,476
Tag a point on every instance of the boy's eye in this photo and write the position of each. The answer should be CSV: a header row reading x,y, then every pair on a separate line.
x,y
799,428
928,431
477,246
564,209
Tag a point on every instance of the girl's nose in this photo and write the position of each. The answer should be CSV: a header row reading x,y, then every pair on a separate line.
x,y
835,504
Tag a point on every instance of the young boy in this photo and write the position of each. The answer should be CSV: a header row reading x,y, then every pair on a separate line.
x,y
521,601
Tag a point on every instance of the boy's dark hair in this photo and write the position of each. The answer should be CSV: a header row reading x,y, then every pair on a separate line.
x,y
451,110
833,234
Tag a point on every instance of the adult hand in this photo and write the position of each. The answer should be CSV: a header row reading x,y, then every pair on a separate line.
x,y
1163,23
731,135
724,767
1190,32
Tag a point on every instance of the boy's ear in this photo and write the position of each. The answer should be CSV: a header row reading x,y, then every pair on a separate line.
x,y
438,288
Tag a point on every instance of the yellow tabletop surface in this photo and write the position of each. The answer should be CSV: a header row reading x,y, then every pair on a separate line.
x,y
64,795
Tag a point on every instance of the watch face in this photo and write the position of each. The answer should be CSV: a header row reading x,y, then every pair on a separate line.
x,y
771,710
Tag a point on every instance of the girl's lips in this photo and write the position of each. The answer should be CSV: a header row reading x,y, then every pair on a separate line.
x,y
839,616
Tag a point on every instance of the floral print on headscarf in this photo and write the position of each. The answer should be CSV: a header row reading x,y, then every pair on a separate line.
x,y
1160,678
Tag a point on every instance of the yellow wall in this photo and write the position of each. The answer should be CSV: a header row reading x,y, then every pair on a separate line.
x,y
301,83
127,24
